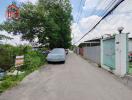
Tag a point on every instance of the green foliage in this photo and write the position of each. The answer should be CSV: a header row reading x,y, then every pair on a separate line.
x,y
130,64
130,68
32,61
60,13
6,57
43,49
11,81
8,53
49,21
7,82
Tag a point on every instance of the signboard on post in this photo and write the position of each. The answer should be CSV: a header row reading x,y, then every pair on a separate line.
x,y
19,61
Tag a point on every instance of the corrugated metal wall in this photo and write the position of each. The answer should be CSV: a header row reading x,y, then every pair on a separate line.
x,y
76,50
81,51
93,54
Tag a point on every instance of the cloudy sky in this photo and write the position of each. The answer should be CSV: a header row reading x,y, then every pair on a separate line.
x,y
93,11
90,12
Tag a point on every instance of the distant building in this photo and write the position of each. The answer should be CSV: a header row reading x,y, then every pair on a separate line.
x,y
90,43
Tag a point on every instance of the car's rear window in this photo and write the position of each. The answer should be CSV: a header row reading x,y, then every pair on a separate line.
x,y
57,51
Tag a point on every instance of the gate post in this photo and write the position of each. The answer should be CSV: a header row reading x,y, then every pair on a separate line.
x,y
101,52
121,51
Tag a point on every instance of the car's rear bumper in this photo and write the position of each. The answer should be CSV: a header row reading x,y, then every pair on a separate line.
x,y
55,59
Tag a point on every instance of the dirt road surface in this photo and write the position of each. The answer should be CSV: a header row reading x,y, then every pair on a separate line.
x,y
77,79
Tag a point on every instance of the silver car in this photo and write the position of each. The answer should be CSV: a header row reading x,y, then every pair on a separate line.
x,y
57,55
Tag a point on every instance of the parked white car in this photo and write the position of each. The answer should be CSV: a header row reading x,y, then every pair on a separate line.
x,y
57,55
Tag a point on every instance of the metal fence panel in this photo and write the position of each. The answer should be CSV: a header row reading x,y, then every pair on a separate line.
x,y
109,52
93,54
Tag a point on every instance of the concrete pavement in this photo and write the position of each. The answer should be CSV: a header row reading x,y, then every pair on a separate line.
x,y
75,80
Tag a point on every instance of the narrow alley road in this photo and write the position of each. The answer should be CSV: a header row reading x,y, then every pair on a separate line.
x,y
75,80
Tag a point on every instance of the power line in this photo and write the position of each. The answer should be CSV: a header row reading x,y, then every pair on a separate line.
x,y
82,2
93,10
124,12
79,9
94,25
109,12
103,12
92,13
110,7
107,8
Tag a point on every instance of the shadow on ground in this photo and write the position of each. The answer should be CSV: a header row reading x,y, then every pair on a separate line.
x,y
56,63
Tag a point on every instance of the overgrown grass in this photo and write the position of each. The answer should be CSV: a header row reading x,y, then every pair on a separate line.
x,y
32,61
10,81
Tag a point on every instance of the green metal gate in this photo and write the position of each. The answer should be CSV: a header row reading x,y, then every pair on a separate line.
x,y
109,52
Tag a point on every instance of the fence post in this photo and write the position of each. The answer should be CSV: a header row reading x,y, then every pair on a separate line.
x,y
121,57
101,47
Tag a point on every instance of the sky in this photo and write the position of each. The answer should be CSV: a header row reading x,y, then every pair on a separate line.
x,y
3,6
90,12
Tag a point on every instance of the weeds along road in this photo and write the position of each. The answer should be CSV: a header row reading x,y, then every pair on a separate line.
x,y
75,80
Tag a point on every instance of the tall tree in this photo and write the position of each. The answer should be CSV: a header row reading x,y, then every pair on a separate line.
x,y
60,12
49,21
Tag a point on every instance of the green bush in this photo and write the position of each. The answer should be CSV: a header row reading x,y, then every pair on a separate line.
x,y
32,61
8,54
8,81
6,57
